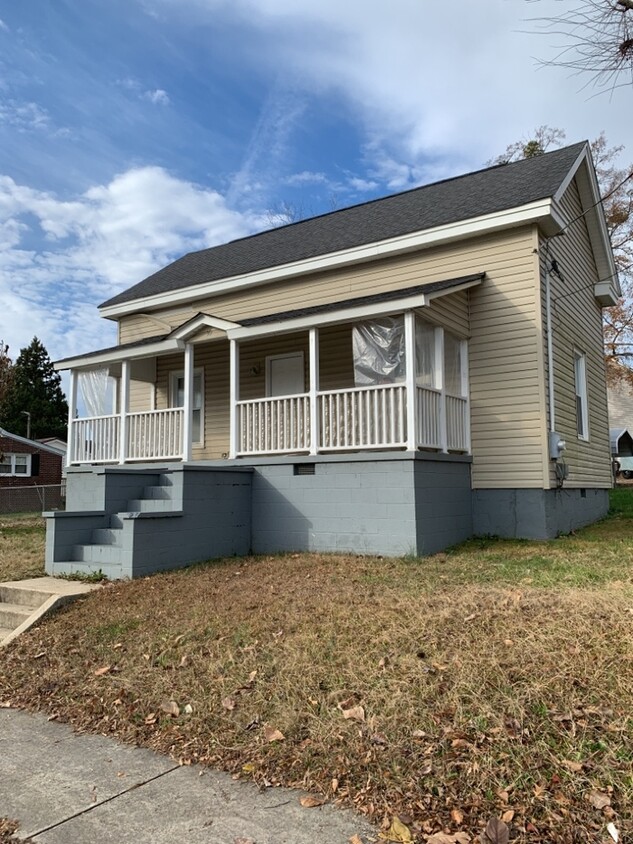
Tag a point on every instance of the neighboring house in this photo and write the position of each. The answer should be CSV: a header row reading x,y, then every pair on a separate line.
x,y
389,378
25,466
54,442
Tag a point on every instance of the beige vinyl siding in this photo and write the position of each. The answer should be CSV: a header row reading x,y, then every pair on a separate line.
x,y
472,256
577,324
506,382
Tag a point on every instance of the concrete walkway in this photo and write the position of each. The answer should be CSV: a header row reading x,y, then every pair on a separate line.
x,y
66,788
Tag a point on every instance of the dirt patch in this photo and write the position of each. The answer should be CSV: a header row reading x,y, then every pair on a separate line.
x,y
393,686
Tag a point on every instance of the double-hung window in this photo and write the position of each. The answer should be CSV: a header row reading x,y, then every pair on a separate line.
x,y
18,465
580,382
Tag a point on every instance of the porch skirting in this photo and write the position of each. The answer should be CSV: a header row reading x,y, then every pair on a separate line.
x,y
132,521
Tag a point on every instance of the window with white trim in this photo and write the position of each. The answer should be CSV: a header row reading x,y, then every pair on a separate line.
x,y
18,465
177,399
580,382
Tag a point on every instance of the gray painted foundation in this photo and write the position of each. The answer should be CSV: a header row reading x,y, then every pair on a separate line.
x,y
131,521
536,513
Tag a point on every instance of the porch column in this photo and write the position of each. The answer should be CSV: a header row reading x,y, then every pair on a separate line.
x,y
124,407
72,410
234,397
410,361
439,383
466,389
314,387
187,427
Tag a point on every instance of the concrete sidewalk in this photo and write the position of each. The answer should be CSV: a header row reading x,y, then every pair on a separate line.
x,y
66,788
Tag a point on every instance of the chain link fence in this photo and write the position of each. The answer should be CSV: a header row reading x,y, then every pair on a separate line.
x,y
32,499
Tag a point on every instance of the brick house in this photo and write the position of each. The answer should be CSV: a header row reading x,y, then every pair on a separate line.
x,y
27,464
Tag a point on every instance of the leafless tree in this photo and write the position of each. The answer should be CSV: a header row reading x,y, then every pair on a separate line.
x,y
596,39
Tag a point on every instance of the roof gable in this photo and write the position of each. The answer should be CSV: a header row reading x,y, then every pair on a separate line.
x,y
477,194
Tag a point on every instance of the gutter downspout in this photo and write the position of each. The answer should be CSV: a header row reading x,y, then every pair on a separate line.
x,y
550,350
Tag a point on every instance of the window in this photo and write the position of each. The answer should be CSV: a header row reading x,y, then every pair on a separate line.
x,y
178,400
425,353
580,379
15,464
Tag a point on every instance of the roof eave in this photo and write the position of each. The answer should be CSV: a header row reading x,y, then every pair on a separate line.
x,y
541,212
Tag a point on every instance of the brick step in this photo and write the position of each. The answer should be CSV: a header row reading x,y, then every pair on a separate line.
x,y
97,555
107,536
143,505
159,493
109,570
12,615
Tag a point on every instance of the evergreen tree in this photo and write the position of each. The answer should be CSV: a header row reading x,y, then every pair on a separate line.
x,y
34,388
6,369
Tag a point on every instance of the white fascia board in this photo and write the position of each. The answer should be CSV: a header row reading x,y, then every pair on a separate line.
x,y
541,212
349,314
116,355
56,451
202,321
589,192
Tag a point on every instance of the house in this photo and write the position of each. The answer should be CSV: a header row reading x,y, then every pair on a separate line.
x,y
26,467
54,442
389,378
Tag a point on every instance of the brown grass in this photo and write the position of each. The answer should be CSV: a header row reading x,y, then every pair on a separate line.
x,y
22,541
482,697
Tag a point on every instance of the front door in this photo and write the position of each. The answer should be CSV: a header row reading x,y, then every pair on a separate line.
x,y
285,374
177,399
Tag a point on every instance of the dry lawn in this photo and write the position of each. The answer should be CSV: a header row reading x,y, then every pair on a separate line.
x,y
21,547
494,680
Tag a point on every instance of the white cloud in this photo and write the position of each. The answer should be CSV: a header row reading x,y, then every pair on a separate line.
x,y
24,116
306,177
158,96
3,26
433,87
92,246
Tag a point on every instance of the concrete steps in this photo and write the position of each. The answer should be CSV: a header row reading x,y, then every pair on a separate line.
x,y
105,550
23,602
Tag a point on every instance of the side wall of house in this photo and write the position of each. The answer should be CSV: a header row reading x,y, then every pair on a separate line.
x,y
577,326
508,433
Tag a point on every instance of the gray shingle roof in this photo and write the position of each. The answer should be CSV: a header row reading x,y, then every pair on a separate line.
x,y
452,200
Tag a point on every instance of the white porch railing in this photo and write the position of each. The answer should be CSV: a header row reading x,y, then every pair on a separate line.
x,y
273,425
457,423
95,439
429,418
363,417
151,435
155,434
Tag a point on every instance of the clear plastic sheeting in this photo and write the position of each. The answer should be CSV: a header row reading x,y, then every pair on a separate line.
x,y
379,352
95,395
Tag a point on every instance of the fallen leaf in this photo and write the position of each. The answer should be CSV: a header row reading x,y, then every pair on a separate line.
x,y
101,671
356,713
599,800
271,734
170,707
188,709
576,767
309,802
613,832
496,832
418,734
355,839
506,817
397,832
151,718
457,816
334,785
471,617
229,703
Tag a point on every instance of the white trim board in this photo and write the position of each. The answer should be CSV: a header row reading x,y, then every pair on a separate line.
x,y
543,212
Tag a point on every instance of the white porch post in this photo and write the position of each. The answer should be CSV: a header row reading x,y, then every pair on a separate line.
x,y
410,361
466,389
72,409
439,383
314,387
124,408
187,428
234,397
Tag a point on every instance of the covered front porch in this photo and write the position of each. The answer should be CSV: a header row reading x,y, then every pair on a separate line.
x,y
366,375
